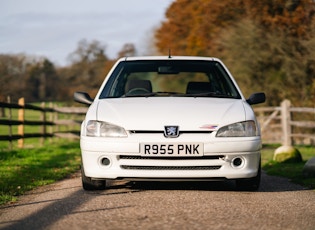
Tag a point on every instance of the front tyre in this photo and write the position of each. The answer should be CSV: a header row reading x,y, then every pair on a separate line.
x,y
249,184
89,184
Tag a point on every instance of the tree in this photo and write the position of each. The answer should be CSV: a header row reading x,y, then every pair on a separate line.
x,y
43,82
191,27
88,52
267,44
12,74
127,50
278,62
87,69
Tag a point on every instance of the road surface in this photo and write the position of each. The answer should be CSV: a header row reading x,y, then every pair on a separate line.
x,y
278,204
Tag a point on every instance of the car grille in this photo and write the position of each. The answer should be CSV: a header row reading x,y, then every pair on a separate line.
x,y
207,165
131,167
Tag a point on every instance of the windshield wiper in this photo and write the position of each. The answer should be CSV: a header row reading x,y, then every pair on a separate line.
x,y
139,95
176,94
160,93
166,93
209,94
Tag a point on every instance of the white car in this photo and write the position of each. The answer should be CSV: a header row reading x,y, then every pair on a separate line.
x,y
170,119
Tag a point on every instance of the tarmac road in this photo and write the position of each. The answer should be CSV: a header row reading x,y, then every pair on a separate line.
x,y
278,204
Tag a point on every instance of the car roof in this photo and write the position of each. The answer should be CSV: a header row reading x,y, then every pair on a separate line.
x,y
192,58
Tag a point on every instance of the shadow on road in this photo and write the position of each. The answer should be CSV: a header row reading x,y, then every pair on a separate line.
x,y
50,214
268,184
48,211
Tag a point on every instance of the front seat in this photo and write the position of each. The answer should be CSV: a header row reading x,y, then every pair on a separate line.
x,y
139,84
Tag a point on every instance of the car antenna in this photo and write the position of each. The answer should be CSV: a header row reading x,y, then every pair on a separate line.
x,y
169,53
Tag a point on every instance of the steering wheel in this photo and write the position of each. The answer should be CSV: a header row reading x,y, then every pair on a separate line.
x,y
135,91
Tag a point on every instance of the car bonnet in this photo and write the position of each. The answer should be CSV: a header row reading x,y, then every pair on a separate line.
x,y
153,113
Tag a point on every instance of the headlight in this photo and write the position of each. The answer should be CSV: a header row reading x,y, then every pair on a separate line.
x,y
104,129
240,129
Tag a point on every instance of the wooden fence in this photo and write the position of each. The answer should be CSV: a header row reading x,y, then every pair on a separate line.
x,y
284,124
50,120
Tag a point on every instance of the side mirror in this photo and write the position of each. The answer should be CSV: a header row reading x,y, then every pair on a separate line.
x,y
83,98
256,98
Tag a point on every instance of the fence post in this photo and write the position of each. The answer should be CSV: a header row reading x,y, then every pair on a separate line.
x,y
21,102
10,126
56,118
285,123
43,118
2,109
51,119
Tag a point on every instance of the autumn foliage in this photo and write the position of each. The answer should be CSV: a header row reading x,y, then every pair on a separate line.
x,y
268,44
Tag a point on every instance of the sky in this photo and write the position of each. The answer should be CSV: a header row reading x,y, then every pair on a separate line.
x,y
53,29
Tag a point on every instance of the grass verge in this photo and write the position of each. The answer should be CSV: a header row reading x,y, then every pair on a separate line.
x,y
22,170
293,171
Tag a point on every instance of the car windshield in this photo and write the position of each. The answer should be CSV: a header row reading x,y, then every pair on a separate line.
x,y
184,78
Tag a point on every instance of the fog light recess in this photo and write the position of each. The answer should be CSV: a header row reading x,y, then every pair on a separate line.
x,y
237,162
105,161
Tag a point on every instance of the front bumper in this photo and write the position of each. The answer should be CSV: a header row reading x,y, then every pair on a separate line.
x,y
119,158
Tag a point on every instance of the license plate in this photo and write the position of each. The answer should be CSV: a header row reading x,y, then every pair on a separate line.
x,y
172,149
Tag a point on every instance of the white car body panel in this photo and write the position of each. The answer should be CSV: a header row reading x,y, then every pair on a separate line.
x,y
153,113
199,117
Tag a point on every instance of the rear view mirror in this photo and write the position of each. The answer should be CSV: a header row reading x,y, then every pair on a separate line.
x,y
256,98
167,70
